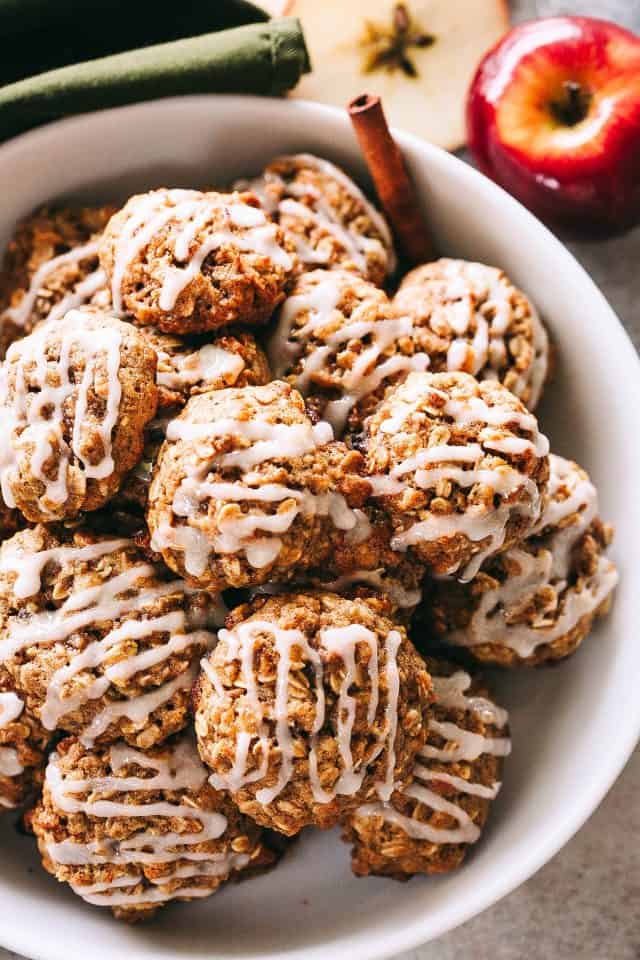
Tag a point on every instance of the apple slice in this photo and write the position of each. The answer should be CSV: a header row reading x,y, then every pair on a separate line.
x,y
419,56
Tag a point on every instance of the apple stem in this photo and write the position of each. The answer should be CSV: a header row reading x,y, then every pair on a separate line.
x,y
573,105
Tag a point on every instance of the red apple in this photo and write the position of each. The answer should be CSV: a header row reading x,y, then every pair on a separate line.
x,y
553,115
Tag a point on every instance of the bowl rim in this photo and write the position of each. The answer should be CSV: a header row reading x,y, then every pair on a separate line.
x,y
30,943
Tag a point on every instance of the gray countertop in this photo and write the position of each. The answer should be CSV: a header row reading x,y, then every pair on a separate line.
x,y
584,903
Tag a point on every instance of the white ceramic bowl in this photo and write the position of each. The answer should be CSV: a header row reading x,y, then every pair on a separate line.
x,y
573,726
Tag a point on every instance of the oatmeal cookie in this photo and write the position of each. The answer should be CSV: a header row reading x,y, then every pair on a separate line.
x,y
188,366
537,602
187,262
428,826
98,641
337,342
310,705
362,568
370,567
400,584
247,489
75,397
134,829
460,467
479,323
23,741
327,215
50,267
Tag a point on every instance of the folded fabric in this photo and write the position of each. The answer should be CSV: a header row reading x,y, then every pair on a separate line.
x,y
47,34
262,58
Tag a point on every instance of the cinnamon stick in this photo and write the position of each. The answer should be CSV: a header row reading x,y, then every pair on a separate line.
x,y
393,185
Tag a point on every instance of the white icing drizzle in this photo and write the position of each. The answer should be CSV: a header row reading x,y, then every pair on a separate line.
x,y
11,707
461,745
81,294
335,641
461,465
118,597
256,533
304,202
210,364
34,419
498,619
369,370
187,215
477,295
174,771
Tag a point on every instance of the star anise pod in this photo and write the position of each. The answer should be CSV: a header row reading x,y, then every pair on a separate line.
x,y
388,47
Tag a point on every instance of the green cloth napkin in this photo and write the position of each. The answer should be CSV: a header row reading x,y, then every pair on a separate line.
x,y
47,34
260,58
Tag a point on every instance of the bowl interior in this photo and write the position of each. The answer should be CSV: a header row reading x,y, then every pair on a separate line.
x,y
573,726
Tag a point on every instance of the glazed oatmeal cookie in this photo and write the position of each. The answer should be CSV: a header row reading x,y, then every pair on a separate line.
x,y
460,466
480,324
428,826
537,602
247,489
310,705
23,741
329,219
50,267
187,262
400,584
132,829
364,568
75,397
188,366
98,641
337,342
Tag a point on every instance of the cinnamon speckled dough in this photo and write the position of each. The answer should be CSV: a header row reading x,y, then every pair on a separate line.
x,y
94,834
429,825
460,467
187,262
23,741
247,490
338,342
98,641
327,216
477,321
51,263
187,366
310,704
75,397
537,602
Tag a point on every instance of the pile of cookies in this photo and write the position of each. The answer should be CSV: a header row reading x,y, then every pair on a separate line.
x,y
260,515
